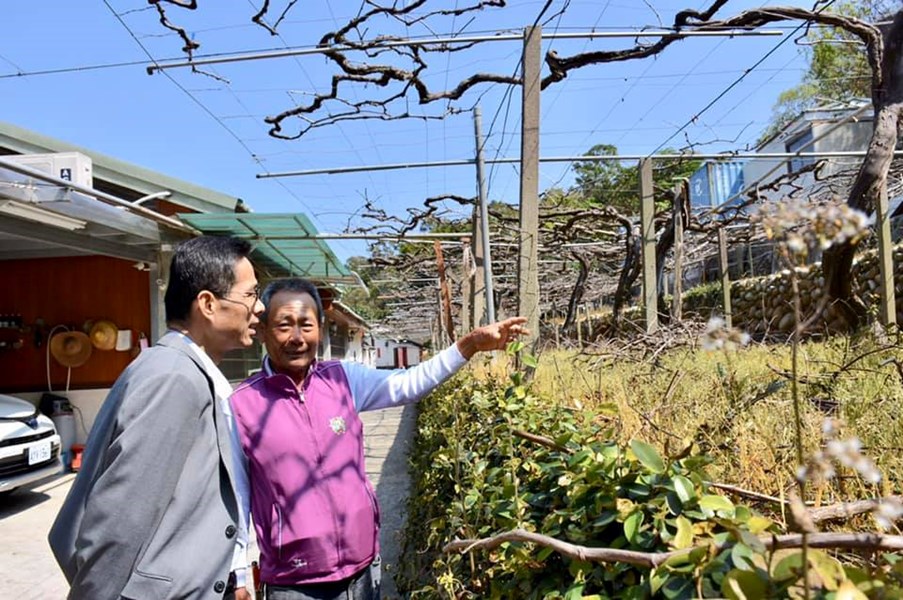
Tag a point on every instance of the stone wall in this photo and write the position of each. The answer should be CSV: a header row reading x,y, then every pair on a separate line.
x,y
765,304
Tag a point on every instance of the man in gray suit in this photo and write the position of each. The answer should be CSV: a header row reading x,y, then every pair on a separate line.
x,y
154,512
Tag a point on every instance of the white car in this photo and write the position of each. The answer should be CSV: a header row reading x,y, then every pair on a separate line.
x,y
29,445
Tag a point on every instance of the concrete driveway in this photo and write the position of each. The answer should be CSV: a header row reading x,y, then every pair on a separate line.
x,y
27,514
25,519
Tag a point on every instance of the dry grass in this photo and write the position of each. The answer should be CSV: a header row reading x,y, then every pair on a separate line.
x,y
736,406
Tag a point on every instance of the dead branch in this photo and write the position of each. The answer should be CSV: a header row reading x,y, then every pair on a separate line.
x,y
189,45
382,75
847,541
539,439
391,225
751,19
560,67
847,510
258,18
746,493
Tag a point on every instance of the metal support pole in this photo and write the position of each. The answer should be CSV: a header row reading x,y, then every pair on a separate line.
x,y
159,279
481,252
647,212
570,159
376,44
528,278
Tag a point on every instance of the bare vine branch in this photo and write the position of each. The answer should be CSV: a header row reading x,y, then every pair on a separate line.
x,y
847,541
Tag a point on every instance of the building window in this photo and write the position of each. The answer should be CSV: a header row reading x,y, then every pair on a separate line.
x,y
803,143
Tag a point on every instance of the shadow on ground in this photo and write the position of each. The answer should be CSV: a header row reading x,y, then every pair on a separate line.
x,y
390,434
12,503
23,498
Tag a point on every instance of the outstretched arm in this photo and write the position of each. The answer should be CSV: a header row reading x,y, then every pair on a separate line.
x,y
373,388
495,336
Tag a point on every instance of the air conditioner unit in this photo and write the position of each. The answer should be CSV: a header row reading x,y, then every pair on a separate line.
x,y
71,166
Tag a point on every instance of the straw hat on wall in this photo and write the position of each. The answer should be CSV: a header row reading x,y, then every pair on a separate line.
x,y
71,348
103,334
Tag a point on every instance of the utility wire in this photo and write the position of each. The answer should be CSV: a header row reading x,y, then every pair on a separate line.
x,y
737,81
77,69
542,12
181,87
353,146
200,104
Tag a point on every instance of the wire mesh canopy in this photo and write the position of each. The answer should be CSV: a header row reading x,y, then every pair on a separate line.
x,y
284,243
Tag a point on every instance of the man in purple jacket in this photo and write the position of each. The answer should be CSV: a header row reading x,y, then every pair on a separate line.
x,y
315,511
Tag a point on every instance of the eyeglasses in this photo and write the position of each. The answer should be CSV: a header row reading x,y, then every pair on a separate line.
x,y
251,296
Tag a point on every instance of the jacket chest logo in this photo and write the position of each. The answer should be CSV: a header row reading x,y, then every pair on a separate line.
x,y
338,425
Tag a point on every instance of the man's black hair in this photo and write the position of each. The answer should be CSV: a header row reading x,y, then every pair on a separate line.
x,y
202,263
296,285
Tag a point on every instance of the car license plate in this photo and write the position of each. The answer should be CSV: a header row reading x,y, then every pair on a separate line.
x,y
39,453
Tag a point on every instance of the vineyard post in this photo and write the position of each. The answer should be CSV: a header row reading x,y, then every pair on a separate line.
x,y
483,297
528,277
444,293
888,310
722,250
466,286
676,298
647,212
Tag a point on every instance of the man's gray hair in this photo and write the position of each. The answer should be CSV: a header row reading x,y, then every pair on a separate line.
x,y
297,285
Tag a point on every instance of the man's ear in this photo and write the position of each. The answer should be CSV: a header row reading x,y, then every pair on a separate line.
x,y
206,303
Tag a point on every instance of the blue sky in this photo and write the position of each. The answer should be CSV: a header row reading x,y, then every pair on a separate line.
x,y
212,133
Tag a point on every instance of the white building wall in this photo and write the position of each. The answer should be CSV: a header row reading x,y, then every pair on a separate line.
x,y
848,137
355,349
387,353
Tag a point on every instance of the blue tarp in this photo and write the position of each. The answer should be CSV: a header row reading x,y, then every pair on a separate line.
x,y
714,183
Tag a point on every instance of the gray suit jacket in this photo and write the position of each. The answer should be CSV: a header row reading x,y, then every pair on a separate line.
x,y
152,513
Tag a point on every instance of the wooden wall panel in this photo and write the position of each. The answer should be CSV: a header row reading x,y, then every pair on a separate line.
x,y
69,291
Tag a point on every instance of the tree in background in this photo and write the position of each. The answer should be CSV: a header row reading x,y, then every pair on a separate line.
x,y
366,303
616,185
838,67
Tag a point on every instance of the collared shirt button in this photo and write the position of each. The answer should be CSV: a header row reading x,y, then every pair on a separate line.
x,y
219,587
230,531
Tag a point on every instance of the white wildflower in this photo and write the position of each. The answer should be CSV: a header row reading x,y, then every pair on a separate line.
x,y
849,453
888,512
714,324
820,468
796,244
801,224
867,469
718,335
830,427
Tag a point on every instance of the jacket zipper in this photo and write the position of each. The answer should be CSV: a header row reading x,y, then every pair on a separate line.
x,y
315,435
279,538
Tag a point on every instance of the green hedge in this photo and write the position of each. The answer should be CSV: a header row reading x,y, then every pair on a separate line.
x,y
472,478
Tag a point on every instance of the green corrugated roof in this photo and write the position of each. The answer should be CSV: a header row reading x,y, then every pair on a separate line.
x,y
283,243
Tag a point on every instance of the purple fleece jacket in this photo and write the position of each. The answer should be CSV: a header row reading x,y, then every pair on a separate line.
x,y
314,510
